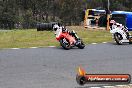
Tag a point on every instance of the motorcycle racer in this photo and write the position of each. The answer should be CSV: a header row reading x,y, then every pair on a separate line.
x,y
66,38
114,24
120,33
64,29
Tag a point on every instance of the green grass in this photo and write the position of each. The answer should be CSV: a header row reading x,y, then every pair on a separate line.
x,y
95,36
32,38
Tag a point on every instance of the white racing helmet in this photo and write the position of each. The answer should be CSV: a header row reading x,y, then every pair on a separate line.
x,y
112,22
55,27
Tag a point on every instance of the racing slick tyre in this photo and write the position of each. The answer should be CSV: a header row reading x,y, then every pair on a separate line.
x,y
65,43
45,26
81,45
81,80
118,38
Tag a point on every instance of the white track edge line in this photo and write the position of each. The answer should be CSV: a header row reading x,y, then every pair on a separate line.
x,y
47,46
94,43
14,48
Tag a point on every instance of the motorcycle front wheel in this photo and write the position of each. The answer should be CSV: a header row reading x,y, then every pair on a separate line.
x,y
118,38
65,43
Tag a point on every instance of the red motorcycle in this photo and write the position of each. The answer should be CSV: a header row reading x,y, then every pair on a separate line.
x,y
67,39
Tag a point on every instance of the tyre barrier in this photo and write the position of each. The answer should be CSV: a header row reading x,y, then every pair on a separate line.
x,y
45,26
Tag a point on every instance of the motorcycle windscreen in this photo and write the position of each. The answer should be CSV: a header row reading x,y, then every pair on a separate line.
x,y
119,18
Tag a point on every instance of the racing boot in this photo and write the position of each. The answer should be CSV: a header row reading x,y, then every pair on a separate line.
x,y
74,34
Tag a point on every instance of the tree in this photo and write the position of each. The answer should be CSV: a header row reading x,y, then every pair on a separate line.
x,y
29,12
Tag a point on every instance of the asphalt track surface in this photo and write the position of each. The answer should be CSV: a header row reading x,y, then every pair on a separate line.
x,y
57,68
